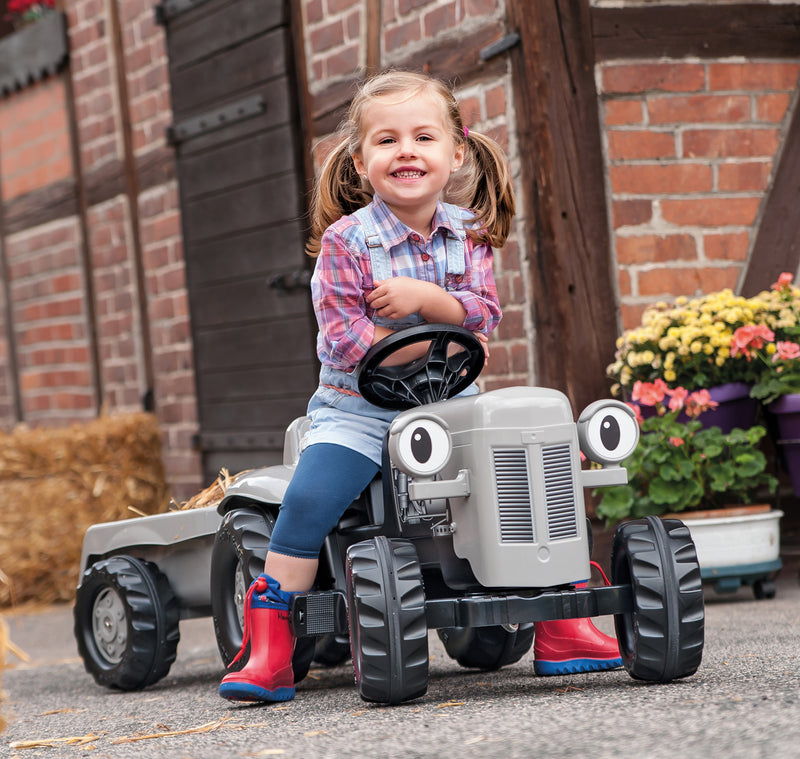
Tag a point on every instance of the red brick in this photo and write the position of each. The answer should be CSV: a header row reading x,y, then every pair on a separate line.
x,y
710,212
470,110
618,112
667,77
439,20
343,62
727,246
632,314
753,76
519,358
730,143
325,37
495,102
627,213
338,6
686,280
480,7
741,177
772,107
698,109
624,280
633,145
651,179
406,6
399,36
655,248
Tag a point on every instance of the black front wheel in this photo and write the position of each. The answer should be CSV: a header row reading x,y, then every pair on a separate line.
x,y
388,629
661,639
126,622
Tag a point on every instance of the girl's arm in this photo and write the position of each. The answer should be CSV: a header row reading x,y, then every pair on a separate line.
x,y
398,297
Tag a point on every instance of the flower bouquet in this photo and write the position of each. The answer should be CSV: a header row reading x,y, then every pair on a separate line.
x,y
687,344
681,466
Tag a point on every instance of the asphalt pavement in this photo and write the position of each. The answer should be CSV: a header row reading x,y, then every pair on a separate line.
x,y
742,703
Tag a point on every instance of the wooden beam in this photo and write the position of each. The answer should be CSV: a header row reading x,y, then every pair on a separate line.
x,y
710,30
777,245
563,200
374,13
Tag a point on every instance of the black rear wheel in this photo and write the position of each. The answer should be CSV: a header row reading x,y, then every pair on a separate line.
x,y
661,639
237,558
388,629
487,648
126,622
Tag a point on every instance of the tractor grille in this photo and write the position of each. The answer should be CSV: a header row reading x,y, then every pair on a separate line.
x,y
513,496
559,491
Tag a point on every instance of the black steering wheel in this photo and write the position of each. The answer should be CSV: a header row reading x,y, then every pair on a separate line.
x,y
446,361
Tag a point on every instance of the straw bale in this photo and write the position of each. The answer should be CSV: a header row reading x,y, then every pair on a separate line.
x,y
55,483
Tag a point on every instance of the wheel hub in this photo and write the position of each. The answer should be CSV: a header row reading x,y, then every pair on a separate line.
x,y
109,625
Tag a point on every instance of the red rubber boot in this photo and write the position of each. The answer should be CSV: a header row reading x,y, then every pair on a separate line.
x,y
268,674
564,646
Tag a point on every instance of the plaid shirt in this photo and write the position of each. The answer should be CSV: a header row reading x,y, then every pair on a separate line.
x,y
343,276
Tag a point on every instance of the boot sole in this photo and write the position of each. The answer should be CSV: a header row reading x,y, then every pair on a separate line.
x,y
575,666
253,693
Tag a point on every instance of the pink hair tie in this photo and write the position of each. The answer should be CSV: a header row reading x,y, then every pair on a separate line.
x,y
466,132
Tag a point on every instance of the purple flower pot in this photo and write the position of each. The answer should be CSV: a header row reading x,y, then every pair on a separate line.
x,y
736,408
786,415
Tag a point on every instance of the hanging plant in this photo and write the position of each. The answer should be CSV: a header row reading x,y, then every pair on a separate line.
x,y
24,12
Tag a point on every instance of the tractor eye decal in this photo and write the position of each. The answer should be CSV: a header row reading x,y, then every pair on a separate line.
x,y
421,447
608,432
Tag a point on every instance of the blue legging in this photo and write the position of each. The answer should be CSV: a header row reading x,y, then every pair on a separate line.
x,y
327,480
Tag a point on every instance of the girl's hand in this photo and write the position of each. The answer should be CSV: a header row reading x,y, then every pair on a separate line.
x,y
399,297
484,341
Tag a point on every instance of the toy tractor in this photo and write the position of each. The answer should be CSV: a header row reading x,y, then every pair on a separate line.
x,y
476,528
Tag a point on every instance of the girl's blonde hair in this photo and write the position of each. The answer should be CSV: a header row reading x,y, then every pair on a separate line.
x,y
483,184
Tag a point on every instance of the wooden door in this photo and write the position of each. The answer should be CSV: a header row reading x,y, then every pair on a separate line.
x,y
240,157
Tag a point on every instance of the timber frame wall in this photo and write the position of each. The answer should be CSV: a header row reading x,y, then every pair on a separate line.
x,y
616,119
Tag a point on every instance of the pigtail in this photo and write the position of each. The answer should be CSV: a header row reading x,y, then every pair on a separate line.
x,y
487,189
337,192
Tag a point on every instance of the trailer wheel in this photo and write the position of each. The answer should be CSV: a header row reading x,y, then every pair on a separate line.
x,y
126,623
487,648
388,629
661,639
237,558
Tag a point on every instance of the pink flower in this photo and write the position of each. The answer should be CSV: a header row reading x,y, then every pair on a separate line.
x,y
677,398
637,411
649,393
784,281
698,402
676,441
786,351
750,338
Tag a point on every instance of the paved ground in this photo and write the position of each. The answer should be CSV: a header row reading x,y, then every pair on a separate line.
x,y
743,702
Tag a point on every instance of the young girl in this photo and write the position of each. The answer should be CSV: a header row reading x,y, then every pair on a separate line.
x,y
390,254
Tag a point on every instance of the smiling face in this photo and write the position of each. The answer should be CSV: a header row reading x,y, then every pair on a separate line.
x,y
408,154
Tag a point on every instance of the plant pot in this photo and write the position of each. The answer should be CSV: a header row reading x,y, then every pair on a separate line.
x,y
738,546
736,408
785,417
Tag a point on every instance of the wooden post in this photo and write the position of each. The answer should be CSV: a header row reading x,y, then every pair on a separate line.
x,y
563,203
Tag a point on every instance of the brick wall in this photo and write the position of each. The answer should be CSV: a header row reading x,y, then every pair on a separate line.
x,y
99,289
690,147
35,146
